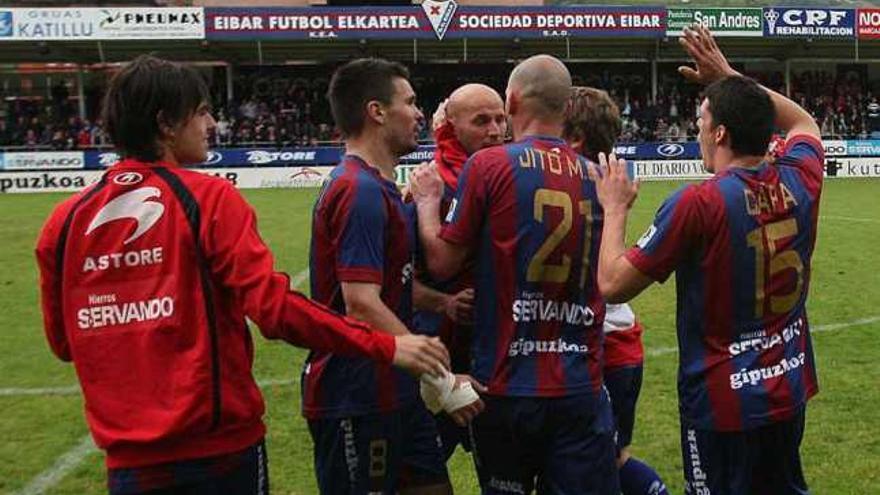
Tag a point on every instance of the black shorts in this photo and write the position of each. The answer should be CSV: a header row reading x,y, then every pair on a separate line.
x,y
762,461
560,445
239,473
378,453
624,385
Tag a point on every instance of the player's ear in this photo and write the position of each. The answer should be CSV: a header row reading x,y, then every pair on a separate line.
x,y
166,128
576,142
511,103
376,111
721,134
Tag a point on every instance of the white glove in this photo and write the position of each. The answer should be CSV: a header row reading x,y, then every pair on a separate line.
x,y
441,394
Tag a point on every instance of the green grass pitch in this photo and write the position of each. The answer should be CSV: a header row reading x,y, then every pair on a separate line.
x,y
841,449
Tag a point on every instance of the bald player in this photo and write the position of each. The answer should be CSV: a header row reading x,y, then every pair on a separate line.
x,y
472,118
527,216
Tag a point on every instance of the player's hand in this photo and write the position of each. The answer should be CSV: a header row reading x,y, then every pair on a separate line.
x,y
419,354
460,307
615,191
711,64
425,184
439,117
464,415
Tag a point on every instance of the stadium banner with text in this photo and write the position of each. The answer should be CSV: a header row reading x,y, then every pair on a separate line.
x,y
741,22
659,151
863,147
806,22
264,157
433,20
331,155
244,178
852,168
104,23
834,147
42,160
868,23
669,170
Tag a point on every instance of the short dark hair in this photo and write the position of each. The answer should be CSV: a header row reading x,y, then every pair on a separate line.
x,y
745,109
593,117
139,92
355,84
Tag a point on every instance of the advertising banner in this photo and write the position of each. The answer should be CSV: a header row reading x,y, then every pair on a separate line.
x,y
834,147
723,22
670,170
51,181
433,20
863,147
104,23
869,23
809,23
245,178
263,157
659,151
42,160
852,168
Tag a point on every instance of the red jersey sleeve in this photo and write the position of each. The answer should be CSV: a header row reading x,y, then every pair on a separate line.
x,y
675,230
50,281
468,208
241,261
807,154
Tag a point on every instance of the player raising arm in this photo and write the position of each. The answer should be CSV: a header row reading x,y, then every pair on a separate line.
x,y
740,244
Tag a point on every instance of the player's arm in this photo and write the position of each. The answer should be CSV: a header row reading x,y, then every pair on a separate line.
x,y
459,306
53,320
619,280
426,298
444,259
241,261
678,227
712,65
363,301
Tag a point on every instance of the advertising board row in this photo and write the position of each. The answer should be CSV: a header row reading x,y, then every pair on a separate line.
x,y
329,155
430,20
313,176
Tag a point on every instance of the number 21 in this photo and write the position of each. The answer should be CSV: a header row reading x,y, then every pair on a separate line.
x,y
541,271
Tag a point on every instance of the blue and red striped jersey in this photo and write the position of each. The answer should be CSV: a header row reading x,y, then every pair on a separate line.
x,y
455,336
360,233
740,244
530,215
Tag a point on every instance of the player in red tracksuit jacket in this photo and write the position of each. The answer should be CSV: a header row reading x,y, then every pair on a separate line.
x,y
472,118
146,278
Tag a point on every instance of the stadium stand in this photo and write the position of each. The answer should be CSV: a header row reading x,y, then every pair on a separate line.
x,y
285,106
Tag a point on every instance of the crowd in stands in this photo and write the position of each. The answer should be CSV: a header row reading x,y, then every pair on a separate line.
x,y
285,106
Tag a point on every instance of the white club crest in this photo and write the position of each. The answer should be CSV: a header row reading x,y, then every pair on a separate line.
x,y
439,14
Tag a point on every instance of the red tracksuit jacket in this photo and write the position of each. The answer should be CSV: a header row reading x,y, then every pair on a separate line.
x,y
146,279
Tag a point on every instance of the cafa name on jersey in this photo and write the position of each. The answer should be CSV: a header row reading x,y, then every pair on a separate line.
x,y
552,161
124,259
768,199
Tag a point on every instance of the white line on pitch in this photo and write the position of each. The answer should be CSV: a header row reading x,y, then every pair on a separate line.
x,y
63,465
10,392
830,327
657,351
299,278
75,456
848,219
